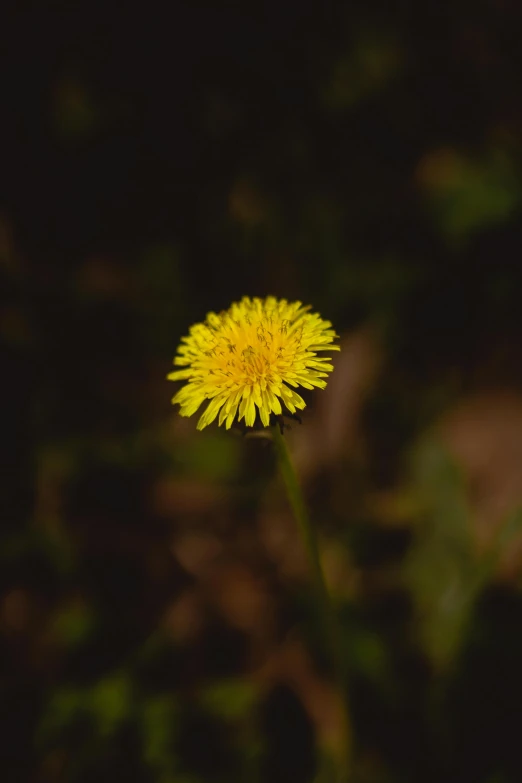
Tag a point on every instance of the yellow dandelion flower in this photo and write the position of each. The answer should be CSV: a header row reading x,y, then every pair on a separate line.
x,y
245,359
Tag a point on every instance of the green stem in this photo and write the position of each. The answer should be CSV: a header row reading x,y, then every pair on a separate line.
x,y
329,617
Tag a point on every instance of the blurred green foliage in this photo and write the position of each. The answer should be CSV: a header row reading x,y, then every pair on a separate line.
x,y
156,623
469,195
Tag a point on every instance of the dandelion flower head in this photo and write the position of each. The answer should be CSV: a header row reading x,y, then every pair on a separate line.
x,y
245,360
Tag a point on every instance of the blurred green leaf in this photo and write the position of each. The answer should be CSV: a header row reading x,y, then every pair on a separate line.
x,y
110,702
442,567
375,59
74,624
444,570
468,194
367,654
229,699
160,719
507,532
214,456
64,706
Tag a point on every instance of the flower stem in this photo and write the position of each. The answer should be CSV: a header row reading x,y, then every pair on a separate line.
x,y
329,617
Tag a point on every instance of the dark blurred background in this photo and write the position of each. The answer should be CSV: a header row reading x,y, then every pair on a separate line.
x,y
156,616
